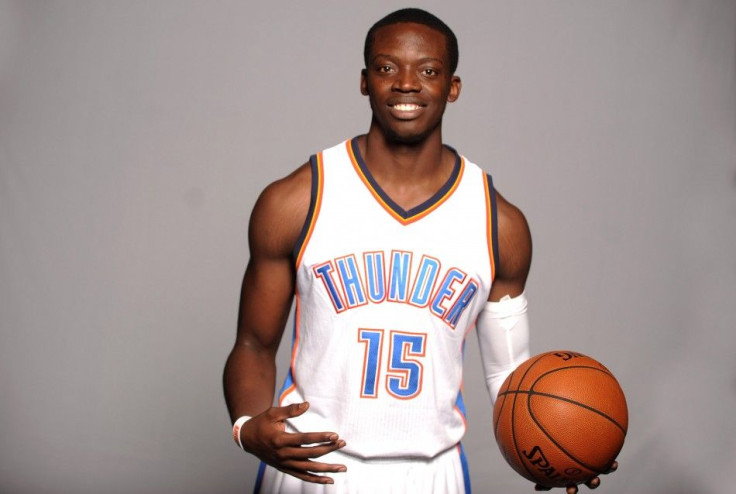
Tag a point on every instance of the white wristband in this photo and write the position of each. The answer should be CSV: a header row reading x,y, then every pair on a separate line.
x,y
236,429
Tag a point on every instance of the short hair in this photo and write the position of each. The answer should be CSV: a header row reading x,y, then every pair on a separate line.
x,y
415,16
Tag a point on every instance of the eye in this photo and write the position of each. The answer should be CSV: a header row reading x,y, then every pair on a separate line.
x,y
385,69
429,72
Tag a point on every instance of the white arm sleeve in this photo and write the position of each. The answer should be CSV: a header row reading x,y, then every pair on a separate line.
x,y
503,338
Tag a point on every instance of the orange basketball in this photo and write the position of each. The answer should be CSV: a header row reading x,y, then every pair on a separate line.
x,y
560,419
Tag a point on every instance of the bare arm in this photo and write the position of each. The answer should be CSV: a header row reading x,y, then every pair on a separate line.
x,y
515,257
266,294
514,250
249,378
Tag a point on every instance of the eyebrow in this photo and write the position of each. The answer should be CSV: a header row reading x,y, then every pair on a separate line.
x,y
422,60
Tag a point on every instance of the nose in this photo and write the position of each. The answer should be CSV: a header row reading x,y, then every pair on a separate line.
x,y
406,81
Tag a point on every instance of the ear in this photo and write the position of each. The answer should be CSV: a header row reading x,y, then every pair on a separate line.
x,y
455,86
363,83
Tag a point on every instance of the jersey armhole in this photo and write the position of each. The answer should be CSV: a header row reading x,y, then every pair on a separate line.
x,y
315,162
492,224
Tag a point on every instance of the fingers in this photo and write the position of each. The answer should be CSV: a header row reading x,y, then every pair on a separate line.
x,y
292,453
312,467
614,467
280,414
305,438
307,470
593,483
287,412
310,477
573,489
305,452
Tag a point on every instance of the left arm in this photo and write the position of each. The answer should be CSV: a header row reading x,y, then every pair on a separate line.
x,y
503,325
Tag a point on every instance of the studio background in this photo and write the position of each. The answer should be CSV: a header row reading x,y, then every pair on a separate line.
x,y
135,137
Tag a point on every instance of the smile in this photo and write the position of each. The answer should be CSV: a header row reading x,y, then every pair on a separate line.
x,y
406,107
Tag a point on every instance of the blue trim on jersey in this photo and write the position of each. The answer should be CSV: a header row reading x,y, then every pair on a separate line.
x,y
466,470
289,381
494,220
259,478
310,212
389,202
460,404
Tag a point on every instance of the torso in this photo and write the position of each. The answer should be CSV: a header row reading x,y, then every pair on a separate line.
x,y
385,299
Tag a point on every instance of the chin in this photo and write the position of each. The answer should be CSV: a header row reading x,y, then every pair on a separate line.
x,y
408,138
395,138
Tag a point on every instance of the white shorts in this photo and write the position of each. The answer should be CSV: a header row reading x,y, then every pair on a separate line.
x,y
447,473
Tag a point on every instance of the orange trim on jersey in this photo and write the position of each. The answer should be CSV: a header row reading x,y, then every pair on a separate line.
x,y
460,412
317,207
489,228
389,210
365,363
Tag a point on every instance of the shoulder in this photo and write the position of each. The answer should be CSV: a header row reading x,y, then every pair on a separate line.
x,y
514,245
511,221
279,213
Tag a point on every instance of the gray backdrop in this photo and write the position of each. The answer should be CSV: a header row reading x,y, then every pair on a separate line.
x,y
135,137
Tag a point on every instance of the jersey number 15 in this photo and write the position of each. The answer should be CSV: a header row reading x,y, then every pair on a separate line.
x,y
404,370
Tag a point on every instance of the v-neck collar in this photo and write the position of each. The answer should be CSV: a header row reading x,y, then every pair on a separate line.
x,y
401,215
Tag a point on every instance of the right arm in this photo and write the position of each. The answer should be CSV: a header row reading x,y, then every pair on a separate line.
x,y
249,378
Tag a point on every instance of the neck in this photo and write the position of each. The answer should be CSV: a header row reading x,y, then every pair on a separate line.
x,y
394,159
409,172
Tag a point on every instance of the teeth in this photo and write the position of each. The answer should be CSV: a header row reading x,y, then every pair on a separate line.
x,y
406,107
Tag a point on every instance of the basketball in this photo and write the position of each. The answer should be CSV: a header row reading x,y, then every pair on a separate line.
x,y
560,419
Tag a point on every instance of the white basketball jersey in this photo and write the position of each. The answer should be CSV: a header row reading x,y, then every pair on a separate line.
x,y
384,301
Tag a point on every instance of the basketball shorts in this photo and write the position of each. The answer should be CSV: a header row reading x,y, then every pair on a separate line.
x,y
447,473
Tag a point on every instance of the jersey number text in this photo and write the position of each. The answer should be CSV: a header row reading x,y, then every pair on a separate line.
x,y
404,370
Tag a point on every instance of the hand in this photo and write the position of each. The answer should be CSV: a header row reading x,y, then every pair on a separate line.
x,y
573,489
265,436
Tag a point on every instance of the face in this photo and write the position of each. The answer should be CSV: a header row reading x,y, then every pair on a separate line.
x,y
408,82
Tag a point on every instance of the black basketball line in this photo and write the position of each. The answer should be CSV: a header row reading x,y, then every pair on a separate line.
x,y
568,400
531,393
611,419
503,403
544,431
513,417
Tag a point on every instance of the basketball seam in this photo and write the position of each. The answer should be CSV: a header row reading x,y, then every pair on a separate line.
x,y
547,395
513,418
531,390
503,403
559,446
531,393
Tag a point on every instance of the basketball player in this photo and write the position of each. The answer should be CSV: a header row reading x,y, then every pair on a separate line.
x,y
394,247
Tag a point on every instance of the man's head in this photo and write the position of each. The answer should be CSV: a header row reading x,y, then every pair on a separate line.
x,y
416,16
409,75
